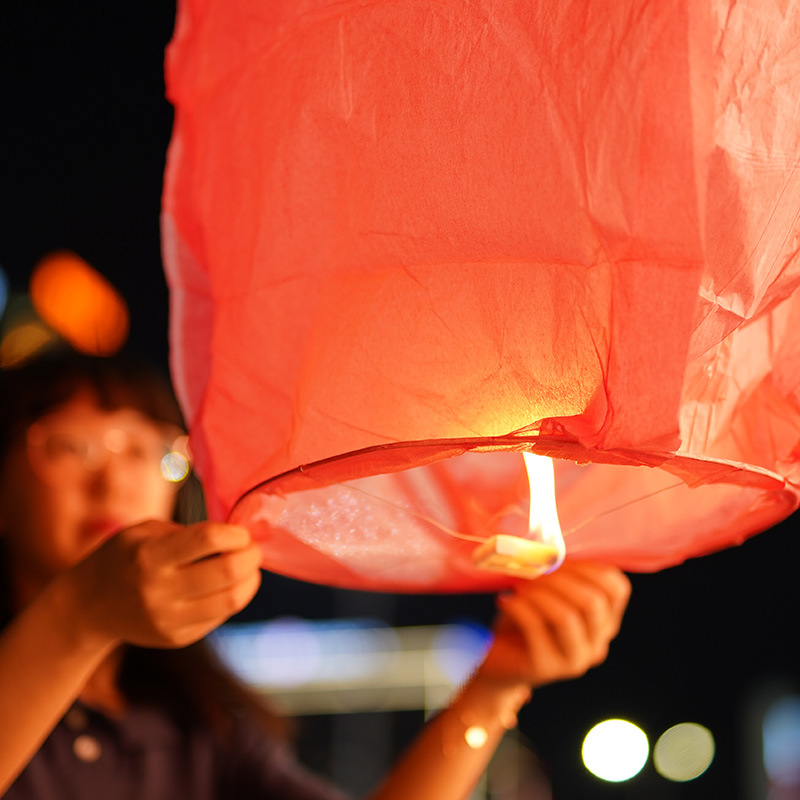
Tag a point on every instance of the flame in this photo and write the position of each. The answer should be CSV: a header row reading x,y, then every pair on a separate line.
x,y
543,549
543,515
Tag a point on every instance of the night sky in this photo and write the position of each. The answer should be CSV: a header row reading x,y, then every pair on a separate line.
x,y
83,137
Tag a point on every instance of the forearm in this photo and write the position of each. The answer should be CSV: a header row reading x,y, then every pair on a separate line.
x,y
451,753
45,660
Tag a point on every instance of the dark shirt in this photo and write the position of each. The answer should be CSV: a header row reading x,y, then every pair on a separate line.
x,y
145,755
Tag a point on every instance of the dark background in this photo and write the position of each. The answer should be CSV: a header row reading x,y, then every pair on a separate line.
x,y
85,126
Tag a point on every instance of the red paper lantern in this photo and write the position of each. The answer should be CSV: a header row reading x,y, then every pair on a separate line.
x,y
406,242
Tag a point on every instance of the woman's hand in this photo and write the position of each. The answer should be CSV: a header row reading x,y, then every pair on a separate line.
x,y
557,626
156,584
159,584
548,629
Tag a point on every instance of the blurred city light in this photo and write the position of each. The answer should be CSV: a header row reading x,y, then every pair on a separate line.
x,y
458,648
174,466
684,752
781,742
615,750
341,666
79,304
282,653
177,462
22,341
3,290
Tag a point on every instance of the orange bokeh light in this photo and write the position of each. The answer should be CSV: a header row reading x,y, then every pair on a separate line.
x,y
79,304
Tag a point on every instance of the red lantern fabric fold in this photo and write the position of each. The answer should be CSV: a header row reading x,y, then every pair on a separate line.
x,y
407,242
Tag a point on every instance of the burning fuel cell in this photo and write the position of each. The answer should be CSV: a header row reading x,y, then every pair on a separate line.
x,y
543,550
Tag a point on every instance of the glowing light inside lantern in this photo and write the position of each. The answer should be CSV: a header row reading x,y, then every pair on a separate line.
x,y
544,549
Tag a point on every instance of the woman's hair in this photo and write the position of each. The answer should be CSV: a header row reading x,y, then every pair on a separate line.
x,y
189,681
30,391
38,386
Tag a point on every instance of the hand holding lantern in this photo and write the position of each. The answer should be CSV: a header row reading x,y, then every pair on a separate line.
x,y
557,626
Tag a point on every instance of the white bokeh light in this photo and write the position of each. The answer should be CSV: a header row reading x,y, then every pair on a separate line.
x,y
615,750
684,752
174,466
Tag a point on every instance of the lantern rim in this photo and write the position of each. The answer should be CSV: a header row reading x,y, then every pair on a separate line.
x,y
694,470
431,547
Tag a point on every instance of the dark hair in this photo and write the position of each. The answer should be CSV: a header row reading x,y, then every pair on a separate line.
x,y
189,681
31,390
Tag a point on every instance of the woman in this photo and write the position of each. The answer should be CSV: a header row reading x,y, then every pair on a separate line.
x,y
102,586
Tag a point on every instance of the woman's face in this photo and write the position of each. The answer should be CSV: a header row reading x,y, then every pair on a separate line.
x,y
78,476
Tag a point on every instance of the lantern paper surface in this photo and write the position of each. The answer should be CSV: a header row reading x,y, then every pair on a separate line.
x,y
407,241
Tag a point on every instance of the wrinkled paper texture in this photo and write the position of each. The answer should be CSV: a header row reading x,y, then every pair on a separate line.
x,y
409,240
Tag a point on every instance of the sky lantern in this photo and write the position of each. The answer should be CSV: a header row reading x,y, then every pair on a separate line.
x,y
408,244
77,302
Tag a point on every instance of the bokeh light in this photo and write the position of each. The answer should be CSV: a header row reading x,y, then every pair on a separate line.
x,y
289,652
781,741
79,304
24,341
3,290
684,752
174,466
615,750
458,649
476,736
285,652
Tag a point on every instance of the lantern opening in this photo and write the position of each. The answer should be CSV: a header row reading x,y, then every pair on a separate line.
x,y
544,550
361,520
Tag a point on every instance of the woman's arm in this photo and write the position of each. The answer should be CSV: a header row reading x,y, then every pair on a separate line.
x,y
44,661
550,629
156,585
